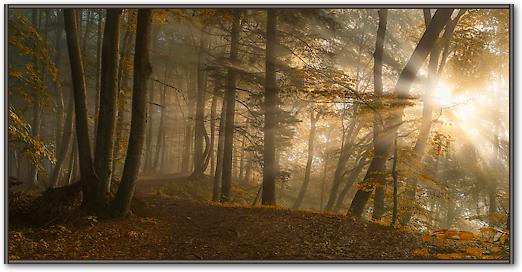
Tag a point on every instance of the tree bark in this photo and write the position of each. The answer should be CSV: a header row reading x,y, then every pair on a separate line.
x,y
308,169
230,100
346,151
219,154
270,107
395,182
98,69
88,178
213,108
375,173
199,122
66,140
142,72
105,132
350,180
378,209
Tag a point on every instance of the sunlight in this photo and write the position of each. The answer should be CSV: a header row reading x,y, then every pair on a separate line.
x,y
443,95
465,113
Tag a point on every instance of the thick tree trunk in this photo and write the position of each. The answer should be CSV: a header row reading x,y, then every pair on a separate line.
x,y
378,209
105,132
308,169
199,122
230,100
88,177
142,72
270,107
375,173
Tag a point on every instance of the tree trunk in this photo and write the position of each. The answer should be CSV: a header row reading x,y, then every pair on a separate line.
x,y
378,200
346,151
375,173
350,180
161,128
420,146
270,107
308,169
395,183
213,108
230,100
142,72
85,38
88,178
199,122
189,127
105,132
66,140
98,70
150,125
219,154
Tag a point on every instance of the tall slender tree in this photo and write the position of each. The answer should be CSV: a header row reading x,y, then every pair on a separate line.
x,y
378,200
88,178
230,100
313,121
105,133
271,109
142,72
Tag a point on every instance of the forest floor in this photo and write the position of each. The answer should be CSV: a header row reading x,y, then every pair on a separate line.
x,y
176,228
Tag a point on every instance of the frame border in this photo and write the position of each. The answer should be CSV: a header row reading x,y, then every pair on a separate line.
x,y
8,7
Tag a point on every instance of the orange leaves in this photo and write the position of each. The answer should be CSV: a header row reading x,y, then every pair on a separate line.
x,y
449,256
453,244
421,252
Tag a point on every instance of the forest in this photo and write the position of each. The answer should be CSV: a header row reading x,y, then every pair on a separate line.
x,y
258,134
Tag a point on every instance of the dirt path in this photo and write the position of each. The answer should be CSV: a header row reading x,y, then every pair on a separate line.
x,y
176,229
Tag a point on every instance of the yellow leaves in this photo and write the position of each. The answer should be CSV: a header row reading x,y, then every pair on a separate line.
x,y
465,245
489,231
13,257
426,237
421,252
135,235
15,73
450,256
474,251
19,133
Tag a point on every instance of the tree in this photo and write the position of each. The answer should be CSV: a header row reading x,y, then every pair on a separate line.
x,y
230,100
375,174
435,67
142,72
105,133
378,92
88,178
200,134
271,109
313,121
